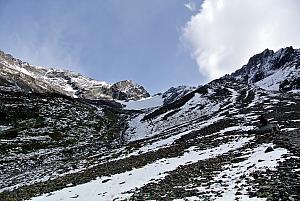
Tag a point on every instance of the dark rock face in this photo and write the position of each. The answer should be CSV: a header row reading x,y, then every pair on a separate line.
x,y
263,121
269,149
290,84
128,90
260,58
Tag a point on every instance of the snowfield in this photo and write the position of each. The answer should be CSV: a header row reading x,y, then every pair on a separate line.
x,y
144,103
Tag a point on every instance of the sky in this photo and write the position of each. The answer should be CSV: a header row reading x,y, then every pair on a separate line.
x,y
158,44
108,40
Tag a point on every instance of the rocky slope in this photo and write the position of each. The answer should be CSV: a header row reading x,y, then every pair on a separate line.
x,y
16,75
197,147
175,93
273,70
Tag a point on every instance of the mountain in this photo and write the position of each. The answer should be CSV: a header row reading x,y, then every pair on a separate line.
x,y
204,144
16,75
272,70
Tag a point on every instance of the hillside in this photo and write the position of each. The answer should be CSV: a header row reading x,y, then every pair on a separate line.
x,y
201,145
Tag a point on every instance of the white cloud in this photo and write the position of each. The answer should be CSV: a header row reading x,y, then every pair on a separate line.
x,y
49,53
191,6
226,33
42,41
45,48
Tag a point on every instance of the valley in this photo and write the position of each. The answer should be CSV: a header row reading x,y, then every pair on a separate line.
x,y
198,146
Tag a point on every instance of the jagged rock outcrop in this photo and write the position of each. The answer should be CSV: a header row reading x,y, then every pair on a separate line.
x,y
272,70
127,89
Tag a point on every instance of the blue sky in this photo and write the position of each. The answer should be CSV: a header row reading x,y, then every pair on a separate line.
x,y
108,40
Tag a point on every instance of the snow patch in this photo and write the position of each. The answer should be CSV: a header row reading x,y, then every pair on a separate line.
x,y
144,103
3,128
273,81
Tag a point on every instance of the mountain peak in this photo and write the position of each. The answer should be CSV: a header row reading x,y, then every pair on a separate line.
x,y
270,69
16,75
129,90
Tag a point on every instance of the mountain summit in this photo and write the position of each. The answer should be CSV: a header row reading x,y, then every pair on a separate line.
x,y
272,70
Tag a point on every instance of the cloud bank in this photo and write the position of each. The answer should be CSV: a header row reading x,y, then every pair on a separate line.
x,y
226,33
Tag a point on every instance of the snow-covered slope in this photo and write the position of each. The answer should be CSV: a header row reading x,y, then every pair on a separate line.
x,y
158,100
204,150
145,103
20,76
202,145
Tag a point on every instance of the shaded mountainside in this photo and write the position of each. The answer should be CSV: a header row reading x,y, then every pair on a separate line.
x,y
16,75
197,147
46,134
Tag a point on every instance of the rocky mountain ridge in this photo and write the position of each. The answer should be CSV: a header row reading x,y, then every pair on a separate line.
x,y
16,75
272,70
